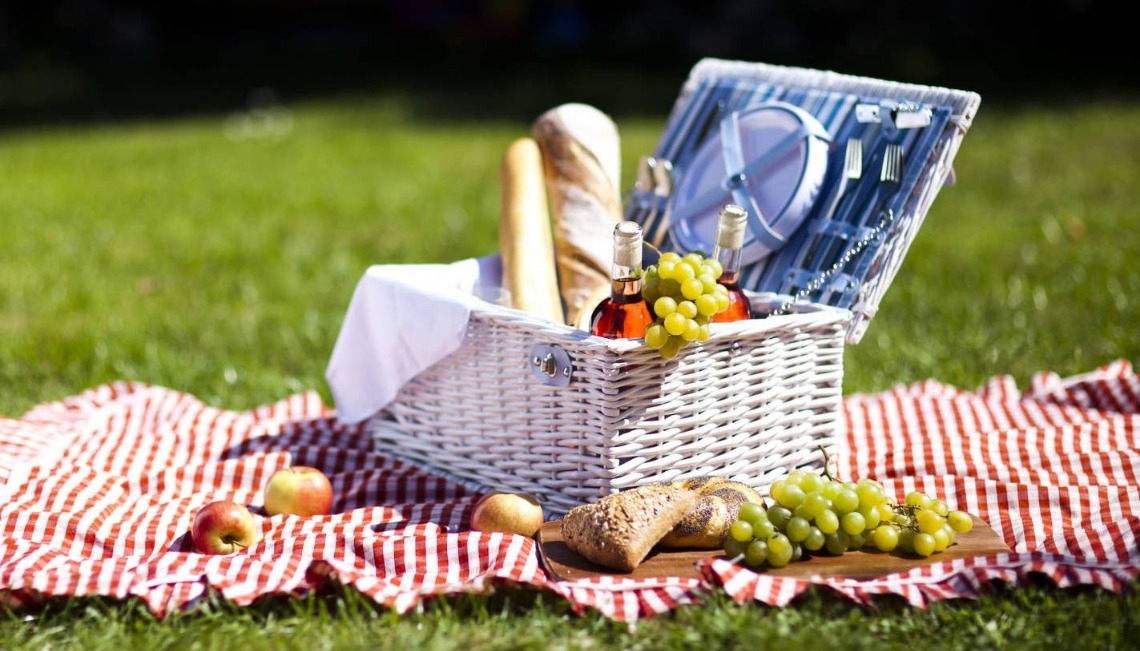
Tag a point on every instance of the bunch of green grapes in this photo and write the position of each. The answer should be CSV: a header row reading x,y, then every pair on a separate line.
x,y
816,514
683,293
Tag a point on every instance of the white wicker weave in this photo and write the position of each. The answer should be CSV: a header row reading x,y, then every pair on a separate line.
x,y
757,399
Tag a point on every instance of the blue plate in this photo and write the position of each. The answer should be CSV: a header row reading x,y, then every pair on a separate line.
x,y
770,159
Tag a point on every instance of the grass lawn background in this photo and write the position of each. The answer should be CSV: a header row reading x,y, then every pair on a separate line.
x,y
170,253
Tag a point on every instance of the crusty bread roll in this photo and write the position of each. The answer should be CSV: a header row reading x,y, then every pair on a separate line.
x,y
581,153
619,530
526,241
717,507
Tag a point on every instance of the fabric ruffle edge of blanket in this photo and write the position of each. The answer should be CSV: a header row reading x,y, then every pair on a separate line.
x,y
99,490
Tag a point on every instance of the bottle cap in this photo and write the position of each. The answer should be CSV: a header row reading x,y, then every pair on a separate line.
x,y
627,244
731,227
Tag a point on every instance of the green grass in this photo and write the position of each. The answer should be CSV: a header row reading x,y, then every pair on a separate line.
x,y
164,252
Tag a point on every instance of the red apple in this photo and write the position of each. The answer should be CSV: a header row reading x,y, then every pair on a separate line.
x,y
507,512
223,527
299,490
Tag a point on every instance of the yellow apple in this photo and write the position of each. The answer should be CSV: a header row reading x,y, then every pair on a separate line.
x,y
299,490
507,512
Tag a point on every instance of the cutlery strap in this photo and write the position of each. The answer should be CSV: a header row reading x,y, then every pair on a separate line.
x,y
734,187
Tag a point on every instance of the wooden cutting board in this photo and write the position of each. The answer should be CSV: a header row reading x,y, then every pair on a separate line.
x,y
565,564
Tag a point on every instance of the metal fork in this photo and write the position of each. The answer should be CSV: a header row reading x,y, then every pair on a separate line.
x,y
890,180
852,171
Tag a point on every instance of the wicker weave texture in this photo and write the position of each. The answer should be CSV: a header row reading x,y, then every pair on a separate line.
x,y
756,399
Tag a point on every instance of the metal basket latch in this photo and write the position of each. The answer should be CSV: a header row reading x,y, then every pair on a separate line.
x,y
551,364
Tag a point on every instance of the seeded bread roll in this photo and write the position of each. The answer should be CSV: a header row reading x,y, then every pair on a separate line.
x,y
581,153
717,507
619,530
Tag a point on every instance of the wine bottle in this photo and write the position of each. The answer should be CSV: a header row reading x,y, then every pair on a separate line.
x,y
730,231
624,314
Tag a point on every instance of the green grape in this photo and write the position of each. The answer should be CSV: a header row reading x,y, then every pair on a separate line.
x,y
672,347
776,488
693,259
791,496
669,287
941,540
814,503
827,521
797,529
692,331
906,540
706,304
869,494
670,256
721,301
928,521
940,507
853,523
763,530
801,512
797,551
683,272
692,288
856,542
836,543
752,513
870,516
811,483
796,476
885,537
715,266
703,332
741,530
950,533
845,501
886,511
708,282
675,323
666,269
960,521
756,553
664,306
651,290
779,550
687,308
656,336
779,516
923,544
831,489
815,540
915,498
733,548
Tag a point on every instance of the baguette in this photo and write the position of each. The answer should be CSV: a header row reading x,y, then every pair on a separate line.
x,y
717,507
619,530
581,153
525,238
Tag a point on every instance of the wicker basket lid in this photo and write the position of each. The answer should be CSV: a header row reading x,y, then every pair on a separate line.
x,y
837,240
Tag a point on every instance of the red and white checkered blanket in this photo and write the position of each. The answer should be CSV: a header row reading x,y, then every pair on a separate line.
x,y
99,491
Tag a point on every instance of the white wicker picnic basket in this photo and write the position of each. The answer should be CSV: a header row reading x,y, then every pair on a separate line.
x,y
529,405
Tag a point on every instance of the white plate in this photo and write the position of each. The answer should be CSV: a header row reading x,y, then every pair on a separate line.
x,y
784,190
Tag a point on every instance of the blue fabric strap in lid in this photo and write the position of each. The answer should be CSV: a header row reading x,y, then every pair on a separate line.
x,y
771,159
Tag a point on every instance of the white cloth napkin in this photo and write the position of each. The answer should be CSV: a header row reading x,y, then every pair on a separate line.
x,y
401,320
